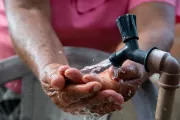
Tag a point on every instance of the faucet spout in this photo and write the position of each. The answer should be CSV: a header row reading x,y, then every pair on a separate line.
x,y
117,58
127,28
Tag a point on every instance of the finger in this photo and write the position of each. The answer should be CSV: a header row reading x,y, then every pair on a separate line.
x,y
136,82
126,77
57,81
127,91
62,69
53,78
103,97
106,82
76,92
91,77
126,72
129,71
74,75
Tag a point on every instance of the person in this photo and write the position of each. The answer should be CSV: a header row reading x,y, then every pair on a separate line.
x,y
40,28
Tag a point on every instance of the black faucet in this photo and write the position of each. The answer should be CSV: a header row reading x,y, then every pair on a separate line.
x,y
127,27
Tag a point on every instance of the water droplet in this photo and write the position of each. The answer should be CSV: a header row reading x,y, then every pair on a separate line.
x,y
121,81
116,71
121,112
89,115
165,109
129,93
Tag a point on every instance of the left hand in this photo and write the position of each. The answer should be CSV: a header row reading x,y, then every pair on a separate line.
x,y
133,73
130,76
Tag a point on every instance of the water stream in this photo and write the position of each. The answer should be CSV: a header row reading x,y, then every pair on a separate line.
x,y
90,116
97,68
100,67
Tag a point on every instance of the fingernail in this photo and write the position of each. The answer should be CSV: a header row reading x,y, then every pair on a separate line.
x,y
111,99
96,88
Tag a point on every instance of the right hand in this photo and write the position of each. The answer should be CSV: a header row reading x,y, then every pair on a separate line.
x,y
77,95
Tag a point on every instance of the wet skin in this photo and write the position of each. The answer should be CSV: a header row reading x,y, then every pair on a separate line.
x,y
100,94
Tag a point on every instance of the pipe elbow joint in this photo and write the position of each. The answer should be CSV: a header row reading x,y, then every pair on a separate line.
x,y
170,65
170,76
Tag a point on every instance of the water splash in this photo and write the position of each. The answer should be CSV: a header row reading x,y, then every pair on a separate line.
x,y
89,115
165,109
116,71
121,112
100,67
97,68
129,93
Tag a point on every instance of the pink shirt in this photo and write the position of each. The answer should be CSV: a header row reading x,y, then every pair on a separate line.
x,y
85,23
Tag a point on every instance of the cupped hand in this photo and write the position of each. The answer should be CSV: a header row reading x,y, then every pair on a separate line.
x,y
129,77
66,88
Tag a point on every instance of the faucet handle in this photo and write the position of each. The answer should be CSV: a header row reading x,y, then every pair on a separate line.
x,y
127,27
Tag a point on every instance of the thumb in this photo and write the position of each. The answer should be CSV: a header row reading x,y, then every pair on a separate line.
x,y
52,77
127,71
57,81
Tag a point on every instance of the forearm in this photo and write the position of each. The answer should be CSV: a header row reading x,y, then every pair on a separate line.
x,y
160,38
34,39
